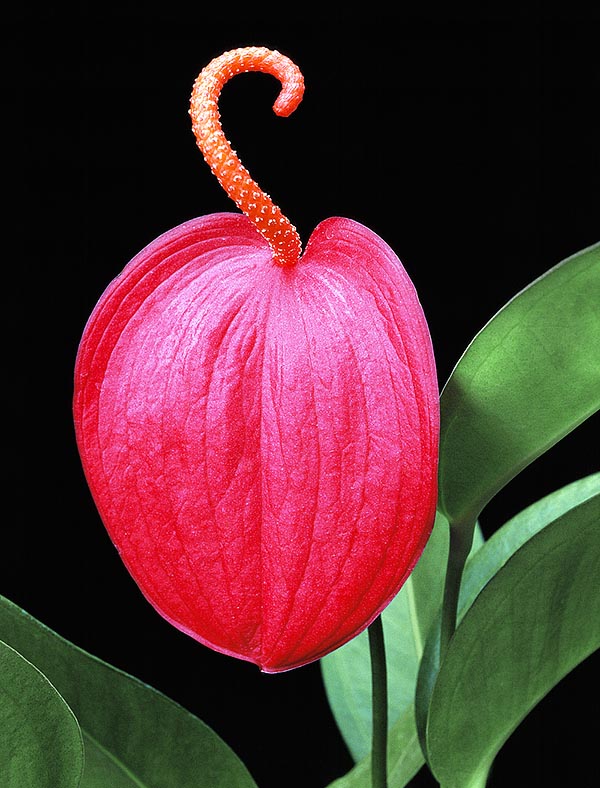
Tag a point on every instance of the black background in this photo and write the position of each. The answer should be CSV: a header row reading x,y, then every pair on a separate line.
x,y
469,140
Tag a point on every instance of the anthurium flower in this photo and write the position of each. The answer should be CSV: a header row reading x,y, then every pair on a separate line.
x,y
258,425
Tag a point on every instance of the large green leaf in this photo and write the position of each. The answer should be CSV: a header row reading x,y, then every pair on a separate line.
x,y
134,735
533,622
487,561
40,740
529,377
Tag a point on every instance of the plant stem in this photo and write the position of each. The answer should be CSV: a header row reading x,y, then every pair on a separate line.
x,y
379,705
461,540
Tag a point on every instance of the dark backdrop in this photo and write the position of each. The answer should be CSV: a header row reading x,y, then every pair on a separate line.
x,y
469,141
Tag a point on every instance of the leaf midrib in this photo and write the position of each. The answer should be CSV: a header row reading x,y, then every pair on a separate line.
x,y
118,763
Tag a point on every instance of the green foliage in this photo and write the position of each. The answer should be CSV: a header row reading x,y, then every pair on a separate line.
x,y
41,742
134,735
406,622
529,377
404,757
487,562
347,671
532,622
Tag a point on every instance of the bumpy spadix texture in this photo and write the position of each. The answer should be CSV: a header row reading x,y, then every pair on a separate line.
x,y
261,439
216,148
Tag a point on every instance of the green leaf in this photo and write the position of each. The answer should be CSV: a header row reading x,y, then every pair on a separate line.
x,y
102,770
347,671
40,740
529,377
133,734
404,757
406,621
533,622
486,562
515,532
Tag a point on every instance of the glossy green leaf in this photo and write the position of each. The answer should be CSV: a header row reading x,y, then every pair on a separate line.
x,y
533,622
529,377
487,561
133,734
40,740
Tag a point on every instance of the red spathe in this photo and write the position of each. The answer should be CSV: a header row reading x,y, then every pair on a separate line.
x,y
261,440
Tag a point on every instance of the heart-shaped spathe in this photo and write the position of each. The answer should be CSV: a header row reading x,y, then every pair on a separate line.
x,y
261,440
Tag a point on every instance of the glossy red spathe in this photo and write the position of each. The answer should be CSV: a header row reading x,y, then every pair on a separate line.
x,y
260,434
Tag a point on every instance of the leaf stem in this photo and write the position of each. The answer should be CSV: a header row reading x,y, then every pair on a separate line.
x,y
379,705
461,540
